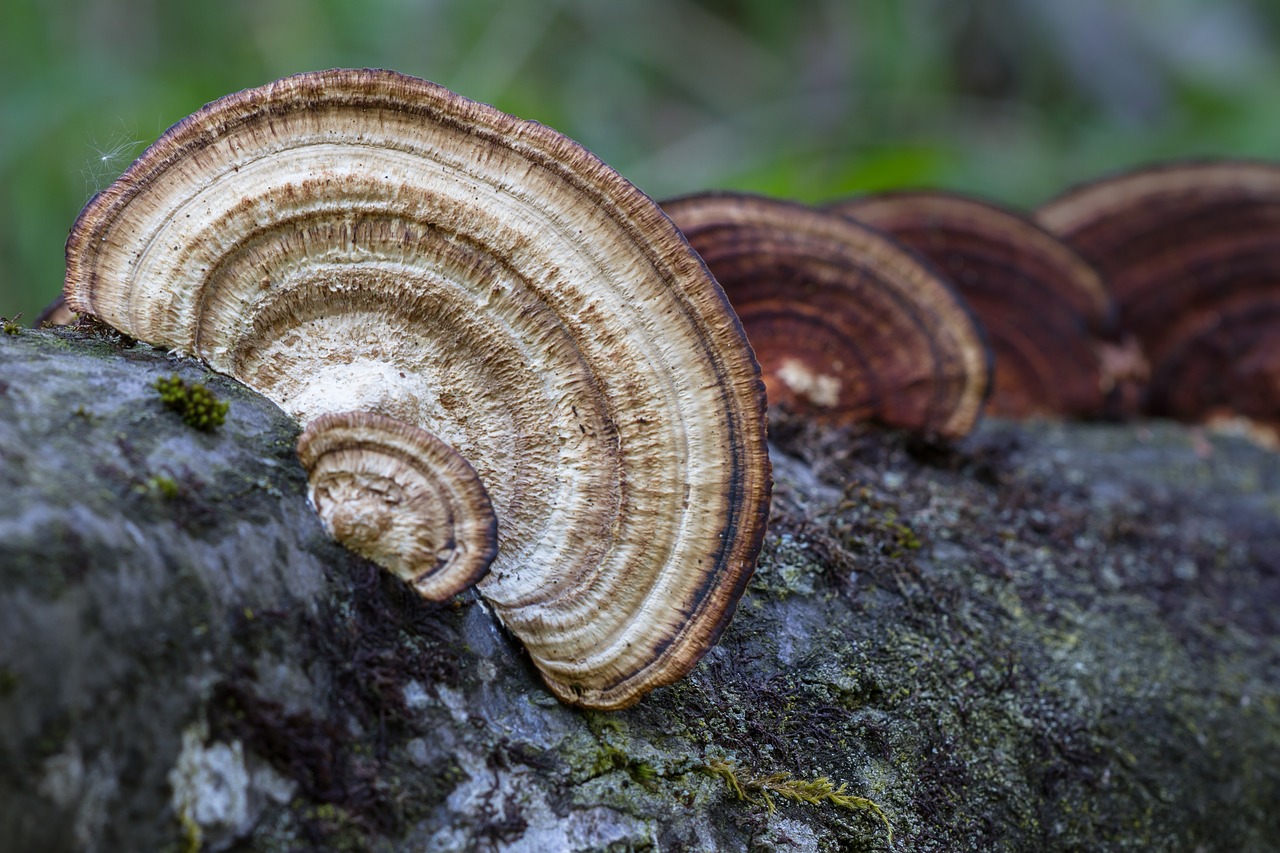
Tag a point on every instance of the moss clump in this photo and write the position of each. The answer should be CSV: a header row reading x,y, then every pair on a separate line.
x,y
192,835
11,327
165,487
904,538
761,789
610,757
195,403
340,830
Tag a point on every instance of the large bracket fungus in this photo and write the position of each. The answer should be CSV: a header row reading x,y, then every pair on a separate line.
x,y
366,241
1192,253
847,324
1046,311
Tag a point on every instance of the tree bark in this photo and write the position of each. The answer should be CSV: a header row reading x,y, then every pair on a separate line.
x,y
1047,637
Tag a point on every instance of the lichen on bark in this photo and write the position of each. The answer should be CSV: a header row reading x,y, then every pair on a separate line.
x,y
1046,637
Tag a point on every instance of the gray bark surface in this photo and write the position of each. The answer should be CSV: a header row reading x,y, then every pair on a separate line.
x,y
1048,637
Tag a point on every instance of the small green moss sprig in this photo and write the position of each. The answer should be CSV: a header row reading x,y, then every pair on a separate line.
x,y
762,789
196,403
160,485
12,327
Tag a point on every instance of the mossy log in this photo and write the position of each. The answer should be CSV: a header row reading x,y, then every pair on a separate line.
x,y
1046,637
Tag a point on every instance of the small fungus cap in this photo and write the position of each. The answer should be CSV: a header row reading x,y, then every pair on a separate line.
x,y
366,241
1046,311
1191,252
847,324
401,497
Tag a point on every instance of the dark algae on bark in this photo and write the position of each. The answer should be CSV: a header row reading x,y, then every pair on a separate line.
x,y
1046,637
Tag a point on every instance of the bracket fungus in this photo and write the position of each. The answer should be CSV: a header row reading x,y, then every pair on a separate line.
x,y
847,324
366,241
1191,252
1045,310
401,497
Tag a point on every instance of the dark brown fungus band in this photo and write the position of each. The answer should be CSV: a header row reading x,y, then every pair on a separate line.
x,y
847,324
366,241
1045,309
1191,252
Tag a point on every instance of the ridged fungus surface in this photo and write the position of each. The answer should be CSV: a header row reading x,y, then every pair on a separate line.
x,y
1046,311
366,241
401,497
1192,253
847,324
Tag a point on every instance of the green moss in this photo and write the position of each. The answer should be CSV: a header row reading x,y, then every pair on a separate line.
x,y
762,789
11,327
195,403
340,829
610,757
788,568
165,487
903,536
53,735
192,836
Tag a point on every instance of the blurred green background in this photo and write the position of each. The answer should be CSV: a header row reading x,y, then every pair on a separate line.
x,y
1011,99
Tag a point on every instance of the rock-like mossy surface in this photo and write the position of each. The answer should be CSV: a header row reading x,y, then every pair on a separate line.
x,y
1044,638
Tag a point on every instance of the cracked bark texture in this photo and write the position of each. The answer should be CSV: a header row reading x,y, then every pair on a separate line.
x,y
1046,637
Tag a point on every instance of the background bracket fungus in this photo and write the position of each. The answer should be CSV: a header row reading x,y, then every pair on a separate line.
x,y
847,324
366,241
1191,252
1045,310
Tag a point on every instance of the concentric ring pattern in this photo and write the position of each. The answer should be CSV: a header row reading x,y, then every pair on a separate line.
x,y
362,240
847,324
401,497
1046,312
1190,252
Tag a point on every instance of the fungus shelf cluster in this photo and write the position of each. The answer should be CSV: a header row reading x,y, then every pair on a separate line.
x,y
515,371
1151,293
847,324
1046,311
1191,252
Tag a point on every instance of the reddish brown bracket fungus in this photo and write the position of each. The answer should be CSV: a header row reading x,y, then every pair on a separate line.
x,y
1192,253
847,324
1045,310
401,497
362,240
55,314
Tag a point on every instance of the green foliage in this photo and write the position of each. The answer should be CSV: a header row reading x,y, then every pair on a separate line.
x,y
811,101
195,403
